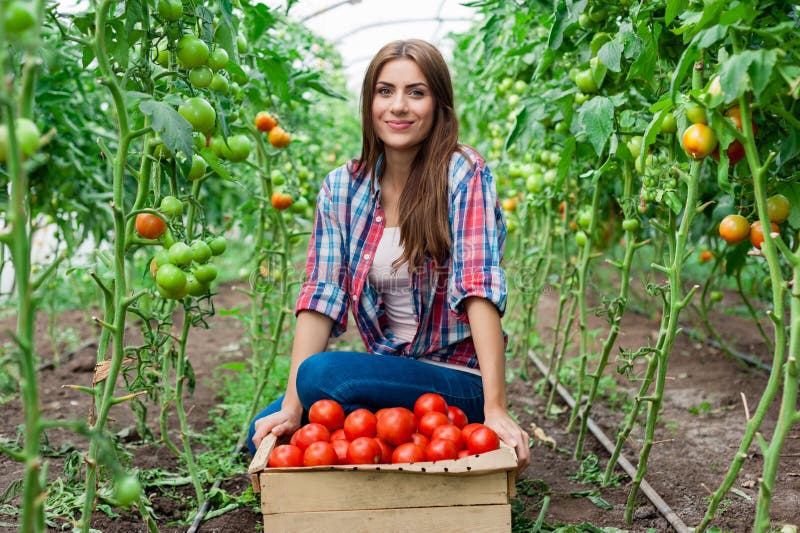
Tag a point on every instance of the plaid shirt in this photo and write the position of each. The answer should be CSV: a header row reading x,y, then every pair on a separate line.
x,y
348,225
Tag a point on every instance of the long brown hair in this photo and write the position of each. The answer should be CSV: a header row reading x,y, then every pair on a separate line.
x,y
424,203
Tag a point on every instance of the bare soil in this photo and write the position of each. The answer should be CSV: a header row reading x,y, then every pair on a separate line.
x,y
702,421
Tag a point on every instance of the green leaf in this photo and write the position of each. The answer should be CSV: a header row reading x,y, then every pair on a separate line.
x,y
215,163
275,72
520,125
597,118
610,54
674,8
135,12
174,130
565,14
600,502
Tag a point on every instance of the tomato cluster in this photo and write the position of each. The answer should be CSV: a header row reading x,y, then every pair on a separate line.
x,y
735,228
433,431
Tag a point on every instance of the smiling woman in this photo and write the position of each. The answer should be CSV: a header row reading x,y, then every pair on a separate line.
x,y
428,301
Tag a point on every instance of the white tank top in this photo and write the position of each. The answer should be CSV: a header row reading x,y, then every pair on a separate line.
x,y
394,285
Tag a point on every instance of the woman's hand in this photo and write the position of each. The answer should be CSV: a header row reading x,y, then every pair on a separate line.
x,y
513,435
286,421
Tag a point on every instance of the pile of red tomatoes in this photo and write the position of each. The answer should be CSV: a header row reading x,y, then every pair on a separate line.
x,y
434,431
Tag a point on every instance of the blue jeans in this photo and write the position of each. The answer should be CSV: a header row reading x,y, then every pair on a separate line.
x,y
357,379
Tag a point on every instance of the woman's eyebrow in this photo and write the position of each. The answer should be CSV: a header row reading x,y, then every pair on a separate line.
x,y
410,85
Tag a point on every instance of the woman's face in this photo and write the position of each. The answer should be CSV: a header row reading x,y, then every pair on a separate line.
x,y
403,105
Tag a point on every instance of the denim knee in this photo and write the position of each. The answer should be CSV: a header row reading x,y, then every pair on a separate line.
x,y
314,377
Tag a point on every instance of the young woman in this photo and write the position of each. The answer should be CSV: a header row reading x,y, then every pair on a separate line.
x,y
410,238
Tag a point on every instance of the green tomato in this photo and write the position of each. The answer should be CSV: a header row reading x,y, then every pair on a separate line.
x,y
201,251
162,57
218,59
162,257
192,51
170,277
630,224
219,84
696,114
18,17
716,296
218,245
180,254
550,177
635,145
199,113
127,490
585,81
241,44
277,178
585,219
237,149
669,125
201,77
584,21
580,238
581,97
171,206
300,205
177,294
205,273
216,146
195,287
170,10
534,183
27,137
198,169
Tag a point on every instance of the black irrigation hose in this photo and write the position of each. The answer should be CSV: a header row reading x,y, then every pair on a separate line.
x,y
645,487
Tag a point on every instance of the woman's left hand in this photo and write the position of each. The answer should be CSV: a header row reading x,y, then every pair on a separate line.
x,y
513,435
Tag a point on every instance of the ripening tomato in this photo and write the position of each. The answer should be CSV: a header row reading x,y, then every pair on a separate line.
x,y
706,256
360,423
279,138
364,451
340,447
699,141
430,401
420,440
285,456
319,453
386,450
757,233
396,425
778,208
280,200
457,416
328,413
482,439
150,226
430,421
408,453
441,450
264,121
310,433
449,432
734,229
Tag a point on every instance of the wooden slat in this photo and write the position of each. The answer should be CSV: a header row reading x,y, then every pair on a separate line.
x,y
285,492
472,519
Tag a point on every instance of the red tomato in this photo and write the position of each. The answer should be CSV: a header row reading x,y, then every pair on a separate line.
x,y
457,416
420,440
449,432
360,423
757,233
408,453
440,450
364,451
463,453
293,440
430,401
150,226
328,413
468,429
320,453
386,451
311,433
338,435
482,440
396,425
430,420
285,455
380,412
340,447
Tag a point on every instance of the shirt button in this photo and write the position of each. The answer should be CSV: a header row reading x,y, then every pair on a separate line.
x,y
366,256
355,297
378,218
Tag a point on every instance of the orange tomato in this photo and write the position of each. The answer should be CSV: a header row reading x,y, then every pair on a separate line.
x,y
279,138
699,141
264,121
281,200
757,233
510,204
150,226
734,229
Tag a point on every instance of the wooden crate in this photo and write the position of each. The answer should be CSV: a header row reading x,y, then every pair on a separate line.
x,y
470,494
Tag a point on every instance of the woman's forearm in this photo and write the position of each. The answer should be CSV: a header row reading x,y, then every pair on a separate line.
x,y
487,336
311,335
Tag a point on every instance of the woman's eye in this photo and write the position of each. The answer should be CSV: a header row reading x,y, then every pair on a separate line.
x,y
417,92
384,91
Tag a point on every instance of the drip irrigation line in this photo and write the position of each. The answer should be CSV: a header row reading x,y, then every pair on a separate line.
x,y
651,494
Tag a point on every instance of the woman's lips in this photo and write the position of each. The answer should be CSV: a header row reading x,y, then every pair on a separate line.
x,y
399,125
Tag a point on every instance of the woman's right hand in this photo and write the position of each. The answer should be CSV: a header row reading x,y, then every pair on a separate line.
x,y
286,421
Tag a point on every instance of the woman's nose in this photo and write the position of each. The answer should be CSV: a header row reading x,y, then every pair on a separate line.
x,y
399,104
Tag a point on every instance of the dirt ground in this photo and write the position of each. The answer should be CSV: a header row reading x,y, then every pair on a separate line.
x,y
702,421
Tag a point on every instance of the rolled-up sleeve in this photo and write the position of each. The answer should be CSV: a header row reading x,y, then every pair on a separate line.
x,y
324,289
478,234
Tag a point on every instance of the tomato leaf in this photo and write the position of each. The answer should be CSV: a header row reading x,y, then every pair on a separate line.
x,y
565,14
758,64
174,130
674,8
610,54
597,118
